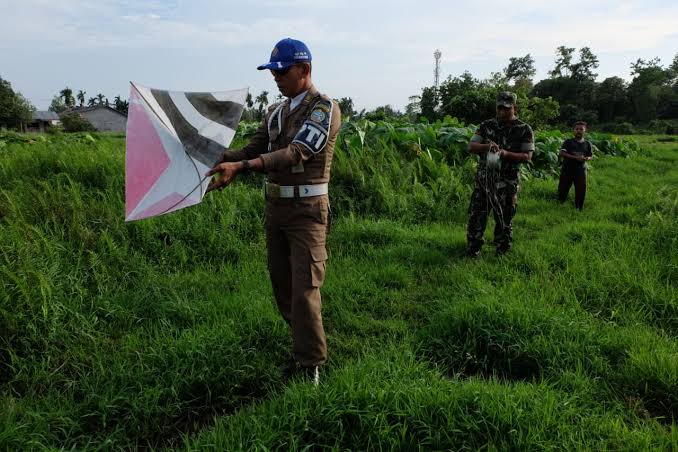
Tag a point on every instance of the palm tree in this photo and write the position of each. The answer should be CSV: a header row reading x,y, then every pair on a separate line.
x,y
121,105
100,98
92,102
81,97
262,100
67,95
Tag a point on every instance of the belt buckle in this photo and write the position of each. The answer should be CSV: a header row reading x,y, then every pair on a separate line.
x,y
273,190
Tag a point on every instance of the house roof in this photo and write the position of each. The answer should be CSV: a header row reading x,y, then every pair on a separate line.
x,y
97,107
45,116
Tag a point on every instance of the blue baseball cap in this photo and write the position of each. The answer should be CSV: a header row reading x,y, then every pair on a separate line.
x,y
286,53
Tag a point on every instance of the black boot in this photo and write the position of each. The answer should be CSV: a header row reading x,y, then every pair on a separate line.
x,y
502,249
472,252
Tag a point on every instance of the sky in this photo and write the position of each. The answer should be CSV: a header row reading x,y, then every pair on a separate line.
x,y
375,52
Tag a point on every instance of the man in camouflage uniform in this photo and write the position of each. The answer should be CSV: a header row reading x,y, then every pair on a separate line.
x,y
294,146
509,142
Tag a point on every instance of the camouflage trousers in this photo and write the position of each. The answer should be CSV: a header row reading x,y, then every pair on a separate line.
x,y
501,197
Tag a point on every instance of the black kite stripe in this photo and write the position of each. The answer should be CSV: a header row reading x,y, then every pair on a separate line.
x,y
204,150
226,113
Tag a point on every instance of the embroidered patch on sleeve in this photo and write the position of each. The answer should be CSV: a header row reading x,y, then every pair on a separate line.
x,y
315,130
312,136
317,115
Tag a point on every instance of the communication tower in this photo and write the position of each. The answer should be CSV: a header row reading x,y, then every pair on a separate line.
x,y
436,73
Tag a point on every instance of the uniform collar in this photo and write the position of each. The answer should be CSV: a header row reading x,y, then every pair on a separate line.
x,y
312,94
295,101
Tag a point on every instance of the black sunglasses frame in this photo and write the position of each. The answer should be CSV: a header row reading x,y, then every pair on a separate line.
x,y
282,71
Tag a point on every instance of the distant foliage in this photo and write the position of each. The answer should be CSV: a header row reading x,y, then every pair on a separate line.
x,y
663,126
15,110
570,93
54,139
624,128
74,122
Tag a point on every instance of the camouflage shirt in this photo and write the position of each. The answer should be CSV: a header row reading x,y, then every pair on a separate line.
x,y
515,137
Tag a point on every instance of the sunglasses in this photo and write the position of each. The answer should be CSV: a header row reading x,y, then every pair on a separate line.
x,y
281,71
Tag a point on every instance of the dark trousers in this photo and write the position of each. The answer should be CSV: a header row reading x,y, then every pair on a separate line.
x,y
502,200
576,176
295,234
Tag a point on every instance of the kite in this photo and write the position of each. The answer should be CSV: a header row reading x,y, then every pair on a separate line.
x,y
173,139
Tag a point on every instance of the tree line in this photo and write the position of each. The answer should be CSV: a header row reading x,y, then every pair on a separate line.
x,y
65,100
570,93
16,112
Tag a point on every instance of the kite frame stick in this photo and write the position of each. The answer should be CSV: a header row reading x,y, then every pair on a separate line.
x,y
171,130
152,109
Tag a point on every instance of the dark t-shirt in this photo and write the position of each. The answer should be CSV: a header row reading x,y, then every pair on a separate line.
x,y
574,147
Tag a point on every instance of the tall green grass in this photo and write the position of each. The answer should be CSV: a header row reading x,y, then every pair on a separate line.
x,y
163,333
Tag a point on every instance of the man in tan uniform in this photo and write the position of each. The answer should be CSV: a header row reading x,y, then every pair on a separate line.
x,y
294,146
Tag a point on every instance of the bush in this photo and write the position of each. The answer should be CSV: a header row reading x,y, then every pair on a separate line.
x,y
625,128
612,145
663,126
74,122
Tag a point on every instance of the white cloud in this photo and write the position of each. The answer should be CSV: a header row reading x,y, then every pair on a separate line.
x,y
462,29
369,41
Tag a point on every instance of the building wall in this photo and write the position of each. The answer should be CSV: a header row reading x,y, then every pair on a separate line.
x,y
40,125
105,120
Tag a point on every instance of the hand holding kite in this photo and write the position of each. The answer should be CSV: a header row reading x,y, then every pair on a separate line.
x,y
227,172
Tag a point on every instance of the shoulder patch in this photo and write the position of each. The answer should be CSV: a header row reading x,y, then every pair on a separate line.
x,y
318,115
323,105
315,130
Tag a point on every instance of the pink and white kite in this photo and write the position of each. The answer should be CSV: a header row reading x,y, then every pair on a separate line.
x,y
173,138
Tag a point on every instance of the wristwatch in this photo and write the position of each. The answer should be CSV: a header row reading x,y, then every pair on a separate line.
x,y
245,165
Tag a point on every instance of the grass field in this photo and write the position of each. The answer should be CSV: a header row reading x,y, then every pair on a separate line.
x,y
163,333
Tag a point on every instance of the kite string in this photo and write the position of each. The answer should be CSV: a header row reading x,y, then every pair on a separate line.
x,y
197,171
489,182
184,198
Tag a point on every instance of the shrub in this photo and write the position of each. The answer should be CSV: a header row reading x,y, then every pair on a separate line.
x,y
663,126
74,122
625,128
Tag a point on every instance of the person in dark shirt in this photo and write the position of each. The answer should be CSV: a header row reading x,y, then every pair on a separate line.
x,y
575,152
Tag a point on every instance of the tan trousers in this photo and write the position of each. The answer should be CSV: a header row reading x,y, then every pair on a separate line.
x,y
295,234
